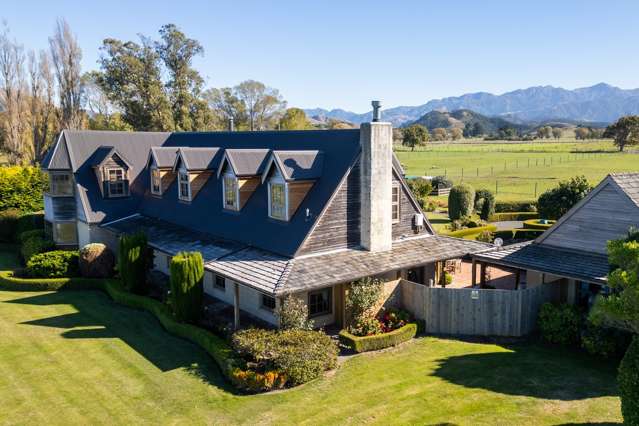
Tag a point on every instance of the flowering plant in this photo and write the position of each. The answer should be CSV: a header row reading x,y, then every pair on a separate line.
x,y
393,319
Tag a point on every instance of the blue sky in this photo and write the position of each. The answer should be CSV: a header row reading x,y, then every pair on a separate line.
x,y
345,53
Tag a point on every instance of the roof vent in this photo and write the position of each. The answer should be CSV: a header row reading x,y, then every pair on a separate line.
x,y
377,115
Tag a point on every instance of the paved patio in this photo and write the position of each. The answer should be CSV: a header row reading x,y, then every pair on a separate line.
x,y
498,278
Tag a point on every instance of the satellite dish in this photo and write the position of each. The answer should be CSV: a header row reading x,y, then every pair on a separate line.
x,y
498,242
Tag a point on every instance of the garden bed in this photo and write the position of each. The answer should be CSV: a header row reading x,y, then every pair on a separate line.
x,y
378,341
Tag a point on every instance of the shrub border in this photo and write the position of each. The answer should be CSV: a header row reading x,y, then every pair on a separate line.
x,y
471,231
216,347
378,341
508,216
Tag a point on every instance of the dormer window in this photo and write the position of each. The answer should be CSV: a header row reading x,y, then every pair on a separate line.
x,y
184,186
116,184
278,199
156,182
231,192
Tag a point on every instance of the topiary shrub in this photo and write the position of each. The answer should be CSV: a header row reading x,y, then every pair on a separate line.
x,y
96,261
460,201
187,290
8,223
34,245
134,260
293,314
53,264
378,341
484,203
560,324
628,380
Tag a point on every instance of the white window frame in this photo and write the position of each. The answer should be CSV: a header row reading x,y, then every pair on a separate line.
x,y
53,189
396,204
154,171
109,181
236,205
277,180
182,172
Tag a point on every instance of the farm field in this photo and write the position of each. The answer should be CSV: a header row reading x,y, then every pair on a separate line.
x,y
517,171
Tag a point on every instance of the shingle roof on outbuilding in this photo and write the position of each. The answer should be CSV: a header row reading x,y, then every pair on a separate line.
x,y
583,266
163,157
245,162
197,158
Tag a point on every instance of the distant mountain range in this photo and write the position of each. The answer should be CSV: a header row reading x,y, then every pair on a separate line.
x,y
601,103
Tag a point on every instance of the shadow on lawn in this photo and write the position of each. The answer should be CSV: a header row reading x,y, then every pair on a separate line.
x,y
531,370
100,318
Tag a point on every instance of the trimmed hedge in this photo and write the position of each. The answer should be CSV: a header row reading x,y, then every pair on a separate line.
x,y
8,224
501,217
461,201
30,221
518,234
378,341
216,347
24,236
34,245
471,231
516,206
54,264
534,224
628,379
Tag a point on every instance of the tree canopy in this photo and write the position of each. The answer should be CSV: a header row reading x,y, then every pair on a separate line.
x,y
624,131
555,202
415,135
294,119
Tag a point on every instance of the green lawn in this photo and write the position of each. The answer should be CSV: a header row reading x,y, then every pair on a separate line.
x,y
513,169
77,358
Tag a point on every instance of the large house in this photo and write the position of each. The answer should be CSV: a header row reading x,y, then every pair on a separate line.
x,y
273,213
572,253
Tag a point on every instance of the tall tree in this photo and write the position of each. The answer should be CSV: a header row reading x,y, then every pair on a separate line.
x,y
415,135
13,93
131,78
557,132
66,56
263,104
440,134
42,107
101,112
185,83
456,133
625,131
227,105
294,119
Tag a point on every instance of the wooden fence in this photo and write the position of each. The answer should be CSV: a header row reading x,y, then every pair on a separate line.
x,y
474,312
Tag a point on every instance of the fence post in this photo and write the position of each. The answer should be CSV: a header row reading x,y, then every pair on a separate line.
x,y
477,171
496,187
535,189
491,170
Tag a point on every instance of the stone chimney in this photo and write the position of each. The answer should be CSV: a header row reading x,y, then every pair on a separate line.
x,y
376,178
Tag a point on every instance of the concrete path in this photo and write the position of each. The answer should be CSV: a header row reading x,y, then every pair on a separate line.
x,y
508,224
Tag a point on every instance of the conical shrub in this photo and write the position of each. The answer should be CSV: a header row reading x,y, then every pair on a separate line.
x,y
134,261
187,291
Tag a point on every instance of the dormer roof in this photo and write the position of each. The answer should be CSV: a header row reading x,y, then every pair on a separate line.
x,y
296,165
163,158
104,153
244,162
196,159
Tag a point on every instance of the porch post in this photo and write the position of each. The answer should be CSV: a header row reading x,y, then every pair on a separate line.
x,y
236,306
474,272
482,278
517,278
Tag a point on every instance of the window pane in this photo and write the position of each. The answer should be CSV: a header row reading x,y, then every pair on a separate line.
x,y
219,282
61,184
268,302
65,233
319,302
155,181
230,192
115,174
395,201
184,185
116,188
278,201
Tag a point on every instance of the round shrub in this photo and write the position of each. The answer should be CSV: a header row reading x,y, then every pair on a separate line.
x,y
34,245
53,264
560,324
460,201
293,314
628,379
8,223
96,261
187,290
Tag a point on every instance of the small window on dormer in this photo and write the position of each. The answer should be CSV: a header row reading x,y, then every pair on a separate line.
x,y
231,192
116,182
277,200
156,182
184,186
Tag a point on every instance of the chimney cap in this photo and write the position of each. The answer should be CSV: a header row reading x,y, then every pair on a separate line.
x,y
377,105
